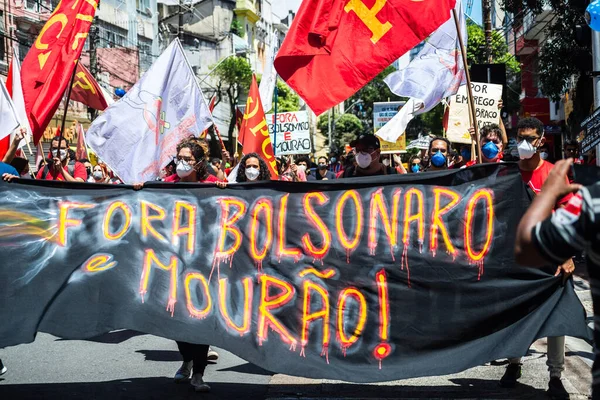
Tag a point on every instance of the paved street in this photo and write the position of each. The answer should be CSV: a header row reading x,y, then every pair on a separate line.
x,y
128,365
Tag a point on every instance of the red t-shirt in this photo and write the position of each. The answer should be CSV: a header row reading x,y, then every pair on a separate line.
x,y
55,175
535,179
209,179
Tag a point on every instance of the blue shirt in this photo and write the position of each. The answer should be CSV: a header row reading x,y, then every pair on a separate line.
x,y
7,169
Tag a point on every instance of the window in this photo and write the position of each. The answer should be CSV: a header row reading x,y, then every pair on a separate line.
x,y
145,53
111,35
142,5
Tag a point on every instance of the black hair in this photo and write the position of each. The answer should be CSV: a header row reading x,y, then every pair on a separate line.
x,y
305,159
325,157
55,139
443,139
72,154
198,153
84,160
486,130
531,123
264,175
19,163
216,161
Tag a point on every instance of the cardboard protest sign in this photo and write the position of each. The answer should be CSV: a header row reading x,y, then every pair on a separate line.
x,y
293,133
486,97
383,112
365,279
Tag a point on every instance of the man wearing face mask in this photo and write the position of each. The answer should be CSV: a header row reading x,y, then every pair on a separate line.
x,y
323,172
59,169
439,148
367,158
534,171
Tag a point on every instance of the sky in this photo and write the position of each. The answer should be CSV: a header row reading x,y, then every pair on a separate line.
x,y
281,7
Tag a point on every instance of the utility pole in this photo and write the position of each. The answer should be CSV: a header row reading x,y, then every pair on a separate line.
x,y
486,7
93,43
180,31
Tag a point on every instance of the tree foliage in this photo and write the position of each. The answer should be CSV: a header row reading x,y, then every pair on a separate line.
x,y
235,76
500,55
347,128
287,99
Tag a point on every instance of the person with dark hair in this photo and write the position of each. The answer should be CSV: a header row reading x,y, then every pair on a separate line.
x,y
367,158
191,165
439,150
252,169
571,149
492,143
323,172
534,172
22,166
289,172
303,163
88,166
63,166
346,162
99,174
415,165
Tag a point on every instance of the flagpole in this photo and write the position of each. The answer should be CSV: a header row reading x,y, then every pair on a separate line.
x,y
275,119
463,52
64,118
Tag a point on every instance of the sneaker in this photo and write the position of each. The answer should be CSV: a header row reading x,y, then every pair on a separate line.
x,y
2,368
556,390
510,377
184,372
199,384
212,355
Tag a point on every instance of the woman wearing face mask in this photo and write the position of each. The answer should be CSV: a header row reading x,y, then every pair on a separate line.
x,y
252,169
191,165
99,174
415,164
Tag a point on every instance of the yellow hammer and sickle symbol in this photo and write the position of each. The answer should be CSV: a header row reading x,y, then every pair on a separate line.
x,y
253,112
369,17
56,19
86,84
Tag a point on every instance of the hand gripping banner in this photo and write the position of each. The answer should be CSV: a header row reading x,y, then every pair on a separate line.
x,y
361,280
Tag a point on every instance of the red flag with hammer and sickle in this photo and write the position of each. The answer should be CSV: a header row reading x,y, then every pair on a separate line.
x,y
47,68
86,90
254,133
335,47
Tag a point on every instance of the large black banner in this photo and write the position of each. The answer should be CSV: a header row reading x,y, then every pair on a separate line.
x,y
361,280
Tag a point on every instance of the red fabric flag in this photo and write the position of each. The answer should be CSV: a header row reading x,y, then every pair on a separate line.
x,y
212,104
48,66
335,47
81,150
86,90
239,118
254,133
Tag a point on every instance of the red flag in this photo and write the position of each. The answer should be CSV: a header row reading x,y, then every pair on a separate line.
x,y
86,90
335,47
48,66
254,133
239,118
81,150
212,104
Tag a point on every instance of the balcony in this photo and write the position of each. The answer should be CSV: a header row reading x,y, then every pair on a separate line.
x,y
247,8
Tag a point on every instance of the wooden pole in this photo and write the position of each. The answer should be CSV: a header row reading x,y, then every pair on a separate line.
x,y
463,52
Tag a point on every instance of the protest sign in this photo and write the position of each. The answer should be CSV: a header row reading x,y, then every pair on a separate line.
x,y
293,133
366,279
591,125
383,112
486,97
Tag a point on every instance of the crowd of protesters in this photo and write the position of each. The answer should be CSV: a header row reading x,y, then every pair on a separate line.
x,y
193,163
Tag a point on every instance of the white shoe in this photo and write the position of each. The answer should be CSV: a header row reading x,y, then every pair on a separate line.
x,y
212,355
199,384
3,369
184,372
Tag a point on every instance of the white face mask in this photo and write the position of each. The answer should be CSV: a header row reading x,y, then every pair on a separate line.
x,y
386,162
97,175
363,159
252,173
526,150
302,168
63,153
544,155
183,169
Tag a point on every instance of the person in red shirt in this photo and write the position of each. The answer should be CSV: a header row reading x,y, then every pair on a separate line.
x,y
191,165
62,168
534,172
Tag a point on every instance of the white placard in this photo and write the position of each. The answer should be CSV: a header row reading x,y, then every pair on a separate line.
x,y
293,133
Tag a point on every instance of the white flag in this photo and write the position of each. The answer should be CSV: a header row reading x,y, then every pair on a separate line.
x,y
17,97
138,135
268,80
8,117
435,73
395,127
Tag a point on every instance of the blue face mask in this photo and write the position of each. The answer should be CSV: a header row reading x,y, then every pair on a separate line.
x,y
466,154
490,150
415,169
438,159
